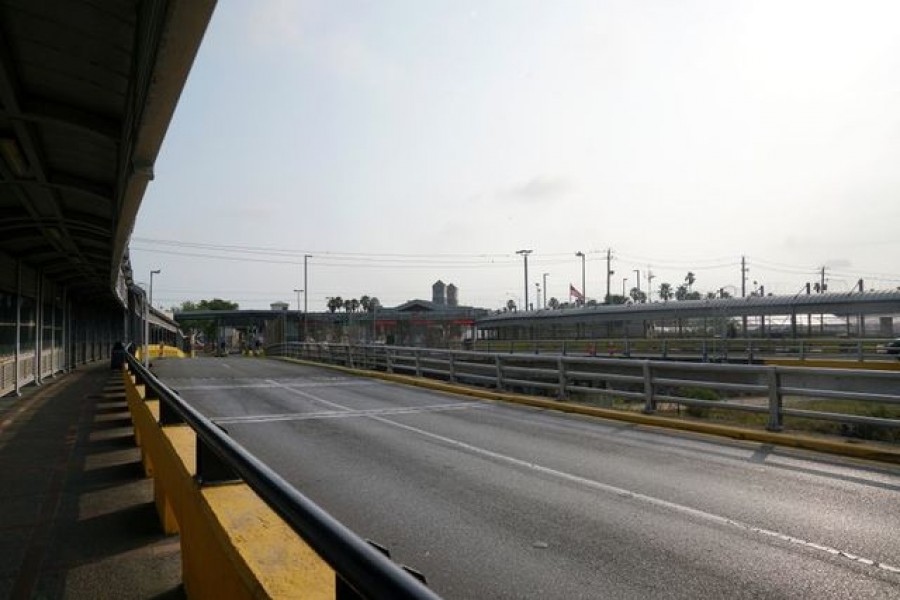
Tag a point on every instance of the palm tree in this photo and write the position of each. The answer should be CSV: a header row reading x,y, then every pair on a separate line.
x,y
553,303
637,295
364,303
511,305
374,304
354,305
665,291
335,303
681,292
690,279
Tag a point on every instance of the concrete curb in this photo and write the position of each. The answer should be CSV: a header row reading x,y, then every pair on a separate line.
x,y
842,447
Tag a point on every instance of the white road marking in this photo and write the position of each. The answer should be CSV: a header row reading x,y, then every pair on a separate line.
x,y
242,386
611,489
403,410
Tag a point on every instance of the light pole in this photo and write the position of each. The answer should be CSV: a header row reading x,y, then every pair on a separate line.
x,y
525,254
299,316
305,294
152,273
583,291
545,289
624,280
638,271
147,306
537,293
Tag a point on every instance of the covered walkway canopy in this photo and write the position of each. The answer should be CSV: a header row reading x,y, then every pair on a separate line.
x,y
87,91
637,319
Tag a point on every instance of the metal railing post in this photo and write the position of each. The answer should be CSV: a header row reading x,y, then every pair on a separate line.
x,y
775,400
563,382
452,367
211,468
649,400
499,366
860,356
418,355
665,348
802,350
388,363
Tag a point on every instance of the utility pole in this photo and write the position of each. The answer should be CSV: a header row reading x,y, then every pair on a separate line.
x,y
583,291
525,254
638,271
545,289
744,270
650,278
537,294
609,274
305,295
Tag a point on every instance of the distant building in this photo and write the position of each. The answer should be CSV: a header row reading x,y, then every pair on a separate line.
x,y
437,293
452,295
279,306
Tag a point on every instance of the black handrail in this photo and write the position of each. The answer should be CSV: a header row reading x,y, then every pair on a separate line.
x,y
365,569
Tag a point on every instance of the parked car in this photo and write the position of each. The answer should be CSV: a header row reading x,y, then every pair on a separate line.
x,y
892,347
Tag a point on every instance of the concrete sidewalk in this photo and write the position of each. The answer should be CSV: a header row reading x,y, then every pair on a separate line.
x,y
77,518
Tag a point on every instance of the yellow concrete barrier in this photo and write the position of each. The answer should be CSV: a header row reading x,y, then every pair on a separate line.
x,y
159,351
232,544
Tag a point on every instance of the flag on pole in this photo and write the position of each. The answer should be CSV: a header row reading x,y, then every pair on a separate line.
x,y
573,291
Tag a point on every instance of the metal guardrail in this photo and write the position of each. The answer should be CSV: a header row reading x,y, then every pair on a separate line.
x,y
362,571
705,349
646,381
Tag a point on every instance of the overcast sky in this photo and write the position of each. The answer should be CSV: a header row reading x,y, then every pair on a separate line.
x,y
403,142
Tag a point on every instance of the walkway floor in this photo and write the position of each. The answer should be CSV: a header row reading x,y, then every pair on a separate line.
x,y
77,518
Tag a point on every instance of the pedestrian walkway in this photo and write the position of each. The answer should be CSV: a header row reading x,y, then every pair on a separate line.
x,y
77,517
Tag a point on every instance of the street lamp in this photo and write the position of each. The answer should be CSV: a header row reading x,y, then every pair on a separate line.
x,y
299,316
583,291
537,293
152,273
624,280
305,294
147,306
525,254
545,289
638,271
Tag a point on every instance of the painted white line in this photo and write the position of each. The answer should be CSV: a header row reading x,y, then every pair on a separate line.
x,y
622,492
331,414
243,386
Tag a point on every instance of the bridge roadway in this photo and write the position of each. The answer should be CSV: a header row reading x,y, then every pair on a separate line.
x,y
496,501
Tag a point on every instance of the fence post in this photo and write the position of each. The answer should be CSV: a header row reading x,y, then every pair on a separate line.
x,y
860,356
564,349
802,350
774,380
627,348
452,367
649,400
499,371
665,348
388,363
749,352
561,367
417,354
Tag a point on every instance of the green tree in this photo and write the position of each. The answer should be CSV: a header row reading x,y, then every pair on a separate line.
x,y
681,292
354,305
553,303
334,303
374,304
637,295
689,279
665,291
364,303
511,305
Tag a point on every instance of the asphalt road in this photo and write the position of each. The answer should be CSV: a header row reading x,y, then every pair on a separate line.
x,y
490,500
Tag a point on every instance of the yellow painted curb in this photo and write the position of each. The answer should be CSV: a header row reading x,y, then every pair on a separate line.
x,y
232,544
835,363
846,448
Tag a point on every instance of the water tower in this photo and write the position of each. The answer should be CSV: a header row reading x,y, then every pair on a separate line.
x,y
437,293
